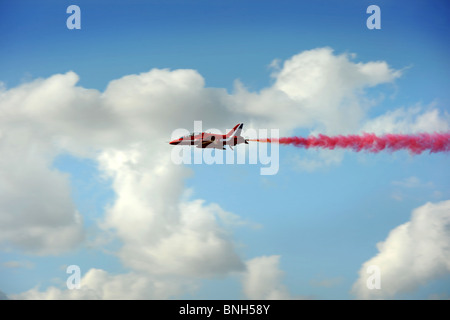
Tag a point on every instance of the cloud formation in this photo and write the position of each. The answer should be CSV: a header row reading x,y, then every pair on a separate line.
x,y
123,128
37,213
163,234
411,120
98,284
414,253
263,279
318,90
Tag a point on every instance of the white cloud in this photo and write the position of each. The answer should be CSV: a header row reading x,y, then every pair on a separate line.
x,y
99,284
155,103
410,120
231,220
37,213
125,130
122,128
126,127
413,254
263,279
317,90
163,234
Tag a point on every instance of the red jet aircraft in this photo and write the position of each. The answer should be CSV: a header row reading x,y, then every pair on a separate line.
x,y
211,140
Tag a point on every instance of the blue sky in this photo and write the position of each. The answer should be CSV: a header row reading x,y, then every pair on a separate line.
x,y
317,221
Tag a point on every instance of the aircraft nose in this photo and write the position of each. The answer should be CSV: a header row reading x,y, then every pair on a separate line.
x,y
174,142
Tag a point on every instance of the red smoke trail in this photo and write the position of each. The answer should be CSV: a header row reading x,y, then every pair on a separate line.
x,y
414,143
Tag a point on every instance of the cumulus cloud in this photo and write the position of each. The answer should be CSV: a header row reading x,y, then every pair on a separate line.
x,y
409,120
160,101
119,129
263,279
163,234
37,213
318,90
413,254
98,284
125,129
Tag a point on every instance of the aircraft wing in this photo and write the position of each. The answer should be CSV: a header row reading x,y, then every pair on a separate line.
x,y
205,143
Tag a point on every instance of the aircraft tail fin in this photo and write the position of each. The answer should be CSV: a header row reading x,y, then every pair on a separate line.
x,y
236,131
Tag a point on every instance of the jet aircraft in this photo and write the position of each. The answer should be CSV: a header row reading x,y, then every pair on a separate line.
x,y
212,140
